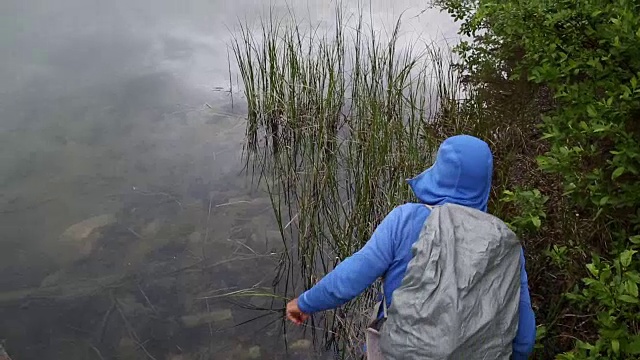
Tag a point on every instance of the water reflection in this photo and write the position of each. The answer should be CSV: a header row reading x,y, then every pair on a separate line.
x,y
124,213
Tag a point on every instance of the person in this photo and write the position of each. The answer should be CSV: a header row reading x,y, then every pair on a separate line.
x,y
461,175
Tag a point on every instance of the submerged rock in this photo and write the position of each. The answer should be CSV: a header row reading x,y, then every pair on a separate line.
x,y
217,316
274,241
127,349
195,237
152,228
177,357
52,279
84,228
254,352
77,239
300,345
262,302
131,307
273,236
238,352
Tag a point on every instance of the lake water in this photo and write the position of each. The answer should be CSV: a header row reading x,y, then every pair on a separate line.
x,y
125,211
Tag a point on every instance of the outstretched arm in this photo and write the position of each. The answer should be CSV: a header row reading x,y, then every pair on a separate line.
x,y
351,277
526,335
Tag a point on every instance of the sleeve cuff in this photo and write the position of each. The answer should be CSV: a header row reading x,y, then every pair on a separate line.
x,y
303,305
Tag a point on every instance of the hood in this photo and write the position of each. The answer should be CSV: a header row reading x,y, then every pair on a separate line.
x,y
460,175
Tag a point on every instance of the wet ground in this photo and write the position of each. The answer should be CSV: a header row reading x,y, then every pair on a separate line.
x,y
124,211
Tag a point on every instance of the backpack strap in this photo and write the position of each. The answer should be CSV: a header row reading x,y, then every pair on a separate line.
x,y
384,302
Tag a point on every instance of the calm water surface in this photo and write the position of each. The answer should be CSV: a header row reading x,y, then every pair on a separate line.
x,y
124,212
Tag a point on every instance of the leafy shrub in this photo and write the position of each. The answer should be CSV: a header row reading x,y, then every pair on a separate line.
x,y
614,287
530,209
587,55
558,255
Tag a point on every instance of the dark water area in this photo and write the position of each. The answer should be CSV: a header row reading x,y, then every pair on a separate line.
x,y
125,213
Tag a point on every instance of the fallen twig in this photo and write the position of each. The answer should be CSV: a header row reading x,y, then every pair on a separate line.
x,y
95,349
134,233
234,203
132,332
105,320
147,299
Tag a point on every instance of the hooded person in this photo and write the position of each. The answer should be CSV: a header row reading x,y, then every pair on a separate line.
x,y
461,176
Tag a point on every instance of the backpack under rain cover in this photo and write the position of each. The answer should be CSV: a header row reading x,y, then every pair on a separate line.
x,y
460,294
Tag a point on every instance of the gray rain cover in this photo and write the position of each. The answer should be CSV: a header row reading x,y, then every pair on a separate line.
x,y
460,294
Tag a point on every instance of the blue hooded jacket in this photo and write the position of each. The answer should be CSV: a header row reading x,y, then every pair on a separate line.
x,y
460,175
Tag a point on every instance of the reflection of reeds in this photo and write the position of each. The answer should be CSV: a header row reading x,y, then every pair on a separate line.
x,y
336,122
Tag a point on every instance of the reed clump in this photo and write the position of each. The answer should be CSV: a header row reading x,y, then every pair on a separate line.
x,y
337,120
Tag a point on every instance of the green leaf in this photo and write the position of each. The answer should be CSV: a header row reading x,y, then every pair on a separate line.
x,y
547,136
586,346
593,269
617,172
615,346
591,111
629,299
634,347
632,288
536,221
635,239
574,297
626,257
541,332
634,276
604,200
598,213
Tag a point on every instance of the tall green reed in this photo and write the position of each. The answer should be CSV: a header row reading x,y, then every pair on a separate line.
x,y
337,120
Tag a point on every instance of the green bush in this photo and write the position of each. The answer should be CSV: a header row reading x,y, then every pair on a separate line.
x,y
614,287
586,55
530,209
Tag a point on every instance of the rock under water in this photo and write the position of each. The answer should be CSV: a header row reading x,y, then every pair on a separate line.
x,y
77,241
217,316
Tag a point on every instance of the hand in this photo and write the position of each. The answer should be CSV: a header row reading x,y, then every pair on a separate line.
x,y
294,314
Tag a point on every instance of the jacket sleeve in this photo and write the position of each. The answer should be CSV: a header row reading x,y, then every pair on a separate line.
x,y
352,276
526,335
